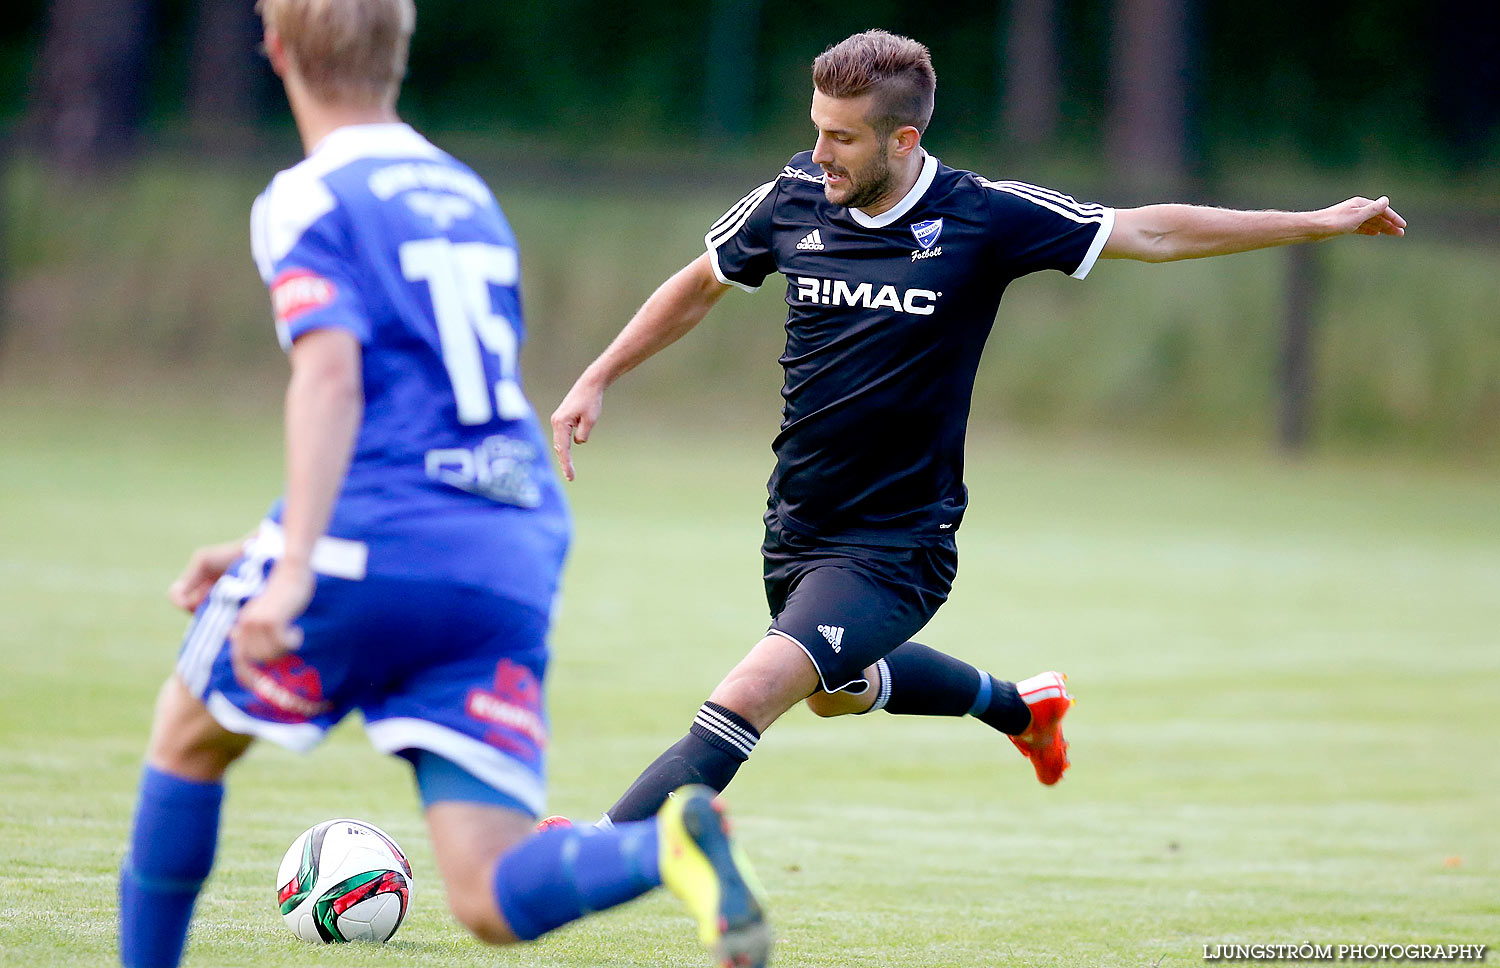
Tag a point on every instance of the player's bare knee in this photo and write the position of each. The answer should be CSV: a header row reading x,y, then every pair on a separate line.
x,y
474,908
471,897
469,840
759,699
186,740
827,706
855,699
774,677
194,758
842,703
745,693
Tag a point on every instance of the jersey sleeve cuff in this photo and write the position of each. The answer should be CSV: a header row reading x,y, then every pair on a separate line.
x,y
287,334
713,261
1100,238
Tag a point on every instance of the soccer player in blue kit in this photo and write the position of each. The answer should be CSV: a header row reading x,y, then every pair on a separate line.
x,y
895,266
410,567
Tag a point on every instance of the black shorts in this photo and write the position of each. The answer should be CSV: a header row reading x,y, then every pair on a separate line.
x,y
849,605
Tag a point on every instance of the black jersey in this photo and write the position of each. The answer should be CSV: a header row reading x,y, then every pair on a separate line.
x,y
888,317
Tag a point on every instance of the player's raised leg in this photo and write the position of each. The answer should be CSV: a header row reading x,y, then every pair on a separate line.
x,y
917,680
175,828
853,618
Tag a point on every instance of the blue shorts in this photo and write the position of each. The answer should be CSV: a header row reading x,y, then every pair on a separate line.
x,y
448,668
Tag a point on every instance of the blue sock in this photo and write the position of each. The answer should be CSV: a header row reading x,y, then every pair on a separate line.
x,y
170,854
560,875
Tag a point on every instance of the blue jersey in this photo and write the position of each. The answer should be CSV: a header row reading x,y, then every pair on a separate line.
x,y
379,233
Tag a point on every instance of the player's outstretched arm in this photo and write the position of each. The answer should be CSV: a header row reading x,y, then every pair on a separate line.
x,y
1167,233
675,307
324,407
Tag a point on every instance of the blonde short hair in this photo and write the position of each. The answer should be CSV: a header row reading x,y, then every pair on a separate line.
x,y
346,51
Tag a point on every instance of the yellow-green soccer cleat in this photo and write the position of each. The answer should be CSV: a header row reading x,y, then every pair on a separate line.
x,y
708,873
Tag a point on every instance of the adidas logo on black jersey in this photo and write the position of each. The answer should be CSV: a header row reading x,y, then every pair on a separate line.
x,y
812,240
835,636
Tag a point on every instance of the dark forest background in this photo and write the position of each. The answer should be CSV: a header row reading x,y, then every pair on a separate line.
x,y
1173,88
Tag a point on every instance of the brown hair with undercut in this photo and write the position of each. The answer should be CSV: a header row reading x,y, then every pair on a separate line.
x,y
896,70
349,52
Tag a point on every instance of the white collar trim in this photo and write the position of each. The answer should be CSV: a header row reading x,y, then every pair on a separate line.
x,y
393,139
908,201
374,132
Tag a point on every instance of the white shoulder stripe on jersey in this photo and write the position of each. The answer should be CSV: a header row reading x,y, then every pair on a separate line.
x,y
286,210
258,234
759,194
297,197
717,237
726,227
1063,210
1082,208
739,213
741,209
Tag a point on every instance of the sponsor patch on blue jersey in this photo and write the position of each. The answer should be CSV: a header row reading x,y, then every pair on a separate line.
x,y
927,232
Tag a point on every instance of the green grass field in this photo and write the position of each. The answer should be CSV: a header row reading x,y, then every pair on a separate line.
x,y
1288,682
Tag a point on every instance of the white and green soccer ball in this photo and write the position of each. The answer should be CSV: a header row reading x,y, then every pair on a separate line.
x,y
344,880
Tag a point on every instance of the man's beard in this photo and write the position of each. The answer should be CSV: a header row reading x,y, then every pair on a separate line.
x,y
870,185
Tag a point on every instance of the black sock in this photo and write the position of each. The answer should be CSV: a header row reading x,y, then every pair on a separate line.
x,y
711,753
1006,710
921,681
926,682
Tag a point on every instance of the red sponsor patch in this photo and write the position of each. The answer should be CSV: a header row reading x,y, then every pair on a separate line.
x,y
287,691
298,291
514,706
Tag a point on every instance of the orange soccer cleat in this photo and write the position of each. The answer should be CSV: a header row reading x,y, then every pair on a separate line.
x,y
1046,695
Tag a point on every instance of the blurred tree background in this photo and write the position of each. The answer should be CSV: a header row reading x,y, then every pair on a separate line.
x,y
137,131
1176,84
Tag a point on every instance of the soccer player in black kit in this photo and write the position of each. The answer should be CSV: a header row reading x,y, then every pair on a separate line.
x,y
895,265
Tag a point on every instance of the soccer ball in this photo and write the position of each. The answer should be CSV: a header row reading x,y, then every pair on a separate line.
x,y
344,880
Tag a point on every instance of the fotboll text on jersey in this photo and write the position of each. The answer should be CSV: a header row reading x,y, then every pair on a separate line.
x,y
837,292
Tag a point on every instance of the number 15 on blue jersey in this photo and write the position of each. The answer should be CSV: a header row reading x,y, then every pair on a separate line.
x,y
458,276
